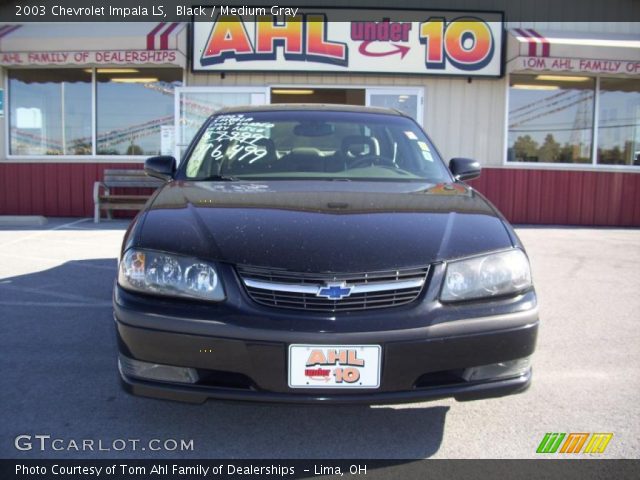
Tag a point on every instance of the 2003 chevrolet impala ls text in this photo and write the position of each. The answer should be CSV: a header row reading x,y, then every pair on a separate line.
x,y
321,254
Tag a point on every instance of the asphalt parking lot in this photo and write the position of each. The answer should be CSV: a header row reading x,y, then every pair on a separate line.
x,y
58,354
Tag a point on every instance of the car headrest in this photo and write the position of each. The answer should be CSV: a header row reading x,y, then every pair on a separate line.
x,y
357,145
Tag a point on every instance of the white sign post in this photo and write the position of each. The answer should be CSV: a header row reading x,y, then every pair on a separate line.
x,y
167,139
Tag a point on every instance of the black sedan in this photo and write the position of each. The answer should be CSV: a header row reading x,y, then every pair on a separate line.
x,y
321,254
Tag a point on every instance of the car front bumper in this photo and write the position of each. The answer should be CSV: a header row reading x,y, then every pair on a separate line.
x,y
237,362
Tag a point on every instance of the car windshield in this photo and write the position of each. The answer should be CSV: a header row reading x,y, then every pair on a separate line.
x,y
306,144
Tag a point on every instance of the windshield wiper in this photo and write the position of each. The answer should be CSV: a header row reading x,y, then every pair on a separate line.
x,y
218,178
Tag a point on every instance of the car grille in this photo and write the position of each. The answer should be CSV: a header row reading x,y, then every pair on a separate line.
x,y
371,290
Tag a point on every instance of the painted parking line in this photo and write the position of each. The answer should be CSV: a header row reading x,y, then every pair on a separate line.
x,y
57,304
39,233
40,291
67,261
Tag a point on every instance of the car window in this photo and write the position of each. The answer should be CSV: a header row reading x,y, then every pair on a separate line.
x,y
314,144
288,140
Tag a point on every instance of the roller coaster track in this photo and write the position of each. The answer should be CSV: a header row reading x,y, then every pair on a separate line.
x,y
552,107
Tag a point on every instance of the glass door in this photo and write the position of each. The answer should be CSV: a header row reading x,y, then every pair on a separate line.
x,y
409,100
193,105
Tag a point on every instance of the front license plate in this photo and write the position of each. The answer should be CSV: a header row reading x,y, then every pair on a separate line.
x,y
334,366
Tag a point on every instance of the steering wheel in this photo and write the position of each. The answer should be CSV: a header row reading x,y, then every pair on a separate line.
x,y
371,160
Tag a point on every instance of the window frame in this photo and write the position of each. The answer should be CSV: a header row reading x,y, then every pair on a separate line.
x,y
592,166
94,157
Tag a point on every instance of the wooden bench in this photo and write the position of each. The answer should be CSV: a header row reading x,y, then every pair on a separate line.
x,y
103,199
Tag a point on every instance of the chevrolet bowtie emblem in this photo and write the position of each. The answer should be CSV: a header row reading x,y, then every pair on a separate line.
x,y
334,291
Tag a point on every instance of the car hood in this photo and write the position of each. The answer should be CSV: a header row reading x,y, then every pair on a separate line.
x,y
321,226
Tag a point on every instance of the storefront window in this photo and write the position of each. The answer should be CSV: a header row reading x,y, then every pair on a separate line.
x,y
550,118
132,107
619,122
50,112
406,103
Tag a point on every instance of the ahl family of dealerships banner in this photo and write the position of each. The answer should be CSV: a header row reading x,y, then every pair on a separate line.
x,y
380,41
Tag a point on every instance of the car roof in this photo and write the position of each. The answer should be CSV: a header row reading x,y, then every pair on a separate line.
x,y
318,107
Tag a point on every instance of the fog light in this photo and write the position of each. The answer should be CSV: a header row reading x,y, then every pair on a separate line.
x,y
154,371
512,368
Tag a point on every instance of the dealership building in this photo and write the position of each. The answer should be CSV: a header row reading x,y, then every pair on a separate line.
x,y
550,110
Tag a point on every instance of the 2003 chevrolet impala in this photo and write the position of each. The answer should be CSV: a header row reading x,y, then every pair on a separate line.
x,y
321,254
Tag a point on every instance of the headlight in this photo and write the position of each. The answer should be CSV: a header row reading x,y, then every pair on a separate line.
x,y
486,276
173,275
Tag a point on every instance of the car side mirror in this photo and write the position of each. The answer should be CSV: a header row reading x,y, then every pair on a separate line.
x,y
464,168
162,167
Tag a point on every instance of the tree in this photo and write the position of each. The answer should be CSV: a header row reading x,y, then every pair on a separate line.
x,y
134,149
566,153
526,149
550,150
615,156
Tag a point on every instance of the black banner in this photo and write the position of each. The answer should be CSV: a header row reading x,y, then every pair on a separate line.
x,y
24,11
326,468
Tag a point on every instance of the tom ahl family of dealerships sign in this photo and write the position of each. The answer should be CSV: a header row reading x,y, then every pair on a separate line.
x,y
379,41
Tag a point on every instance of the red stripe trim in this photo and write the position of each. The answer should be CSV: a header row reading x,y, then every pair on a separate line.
x,y
532,43
546,45
164,38
12,28
151,36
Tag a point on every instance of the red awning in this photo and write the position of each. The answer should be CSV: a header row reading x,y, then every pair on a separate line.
x,y
60,44
583,52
